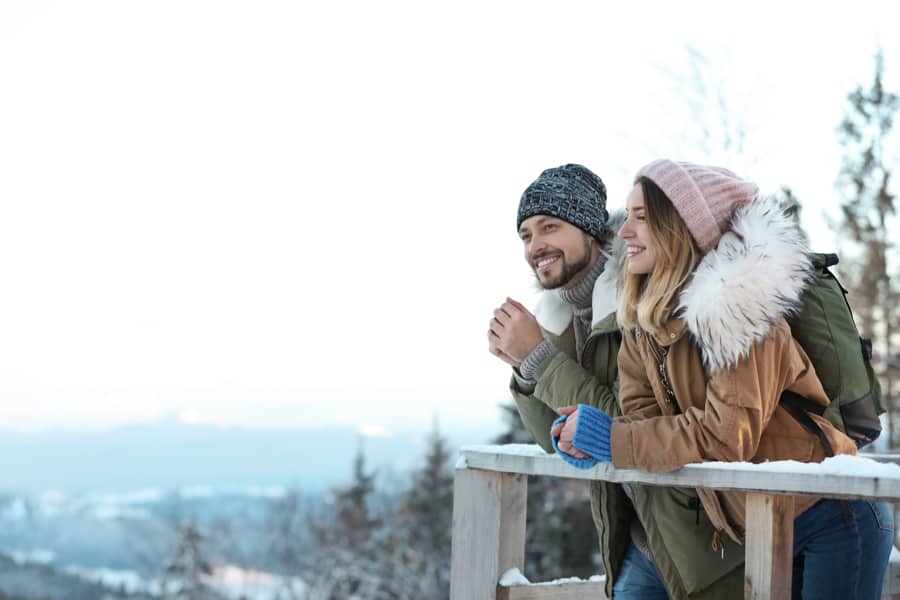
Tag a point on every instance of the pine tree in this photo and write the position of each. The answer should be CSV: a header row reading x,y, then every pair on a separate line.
x,y
867,213
355,523
429,502
350,545
424,523
186,571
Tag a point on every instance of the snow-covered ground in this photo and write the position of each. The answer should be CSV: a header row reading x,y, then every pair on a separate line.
x,y
237,583
229,580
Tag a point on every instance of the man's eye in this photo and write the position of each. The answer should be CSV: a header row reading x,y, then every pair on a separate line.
x,y
549,227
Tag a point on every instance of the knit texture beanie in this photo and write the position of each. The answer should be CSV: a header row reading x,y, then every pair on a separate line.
x,y
705,197
572,193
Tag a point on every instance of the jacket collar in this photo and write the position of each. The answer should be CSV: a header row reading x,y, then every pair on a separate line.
x,y
744,286
555,315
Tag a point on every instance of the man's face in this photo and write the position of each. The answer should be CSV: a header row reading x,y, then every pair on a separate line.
x,y
555,249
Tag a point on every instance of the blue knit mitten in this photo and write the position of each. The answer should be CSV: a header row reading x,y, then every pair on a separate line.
x,y
591,437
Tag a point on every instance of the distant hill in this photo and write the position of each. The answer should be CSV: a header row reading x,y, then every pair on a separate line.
x,y
171,454
40,581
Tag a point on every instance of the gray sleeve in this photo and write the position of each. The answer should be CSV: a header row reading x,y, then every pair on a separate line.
x,y
529,366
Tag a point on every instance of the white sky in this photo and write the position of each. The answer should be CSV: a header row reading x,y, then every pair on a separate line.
x,y
287,213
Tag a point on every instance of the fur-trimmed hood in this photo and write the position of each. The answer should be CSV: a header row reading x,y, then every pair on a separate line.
x,y
554,315
741,288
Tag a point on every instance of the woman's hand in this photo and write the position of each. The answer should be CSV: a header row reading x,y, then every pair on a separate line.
x,y
566,432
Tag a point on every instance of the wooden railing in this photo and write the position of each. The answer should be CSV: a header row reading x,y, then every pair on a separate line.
x,y
489,507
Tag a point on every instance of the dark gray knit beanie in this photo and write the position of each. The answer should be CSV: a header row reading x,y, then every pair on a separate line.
x,y
572,193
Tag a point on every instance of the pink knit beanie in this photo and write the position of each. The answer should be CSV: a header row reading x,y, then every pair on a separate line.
x,y
705,197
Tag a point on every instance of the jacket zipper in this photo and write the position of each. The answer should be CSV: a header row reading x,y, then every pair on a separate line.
x,y
660,358
659,355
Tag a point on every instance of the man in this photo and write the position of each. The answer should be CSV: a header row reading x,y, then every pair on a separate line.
x,y
565,354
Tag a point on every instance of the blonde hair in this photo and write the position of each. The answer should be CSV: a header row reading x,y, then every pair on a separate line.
x,y
648,299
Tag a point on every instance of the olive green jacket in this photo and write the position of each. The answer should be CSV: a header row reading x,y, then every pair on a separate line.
x,y
561,381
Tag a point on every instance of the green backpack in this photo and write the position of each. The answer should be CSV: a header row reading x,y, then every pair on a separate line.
x,y
825,328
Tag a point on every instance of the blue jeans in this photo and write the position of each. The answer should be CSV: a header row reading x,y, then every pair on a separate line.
x,y
836,555
875,521
638,579
841,555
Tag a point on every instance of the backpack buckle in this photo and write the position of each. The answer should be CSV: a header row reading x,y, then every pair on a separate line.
x,y
865,345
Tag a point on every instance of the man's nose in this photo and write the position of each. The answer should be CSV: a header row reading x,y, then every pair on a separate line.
x,y
536,245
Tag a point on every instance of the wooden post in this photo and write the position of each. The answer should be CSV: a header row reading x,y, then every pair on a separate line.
x,y
488,531
770,547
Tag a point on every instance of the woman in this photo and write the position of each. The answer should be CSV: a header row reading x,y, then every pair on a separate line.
x,y
712,268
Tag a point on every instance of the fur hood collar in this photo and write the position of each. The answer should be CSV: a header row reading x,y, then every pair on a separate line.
x,y
741,288
554,315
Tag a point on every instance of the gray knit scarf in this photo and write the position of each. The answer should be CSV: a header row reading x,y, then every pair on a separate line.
x,y
579,294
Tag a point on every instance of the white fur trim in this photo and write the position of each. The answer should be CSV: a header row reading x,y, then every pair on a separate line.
x,y
552,313
605,299
740,289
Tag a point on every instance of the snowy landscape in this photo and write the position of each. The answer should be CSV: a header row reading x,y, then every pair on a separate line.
x,y
246,503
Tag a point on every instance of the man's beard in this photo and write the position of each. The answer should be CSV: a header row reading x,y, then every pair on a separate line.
x,y
568,271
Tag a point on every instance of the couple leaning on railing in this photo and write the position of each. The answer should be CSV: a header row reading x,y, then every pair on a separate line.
x,y
661,340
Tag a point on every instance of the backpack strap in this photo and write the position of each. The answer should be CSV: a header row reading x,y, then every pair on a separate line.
x,y
799,408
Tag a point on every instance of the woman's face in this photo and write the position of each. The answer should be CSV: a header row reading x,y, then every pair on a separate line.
x,y
640,248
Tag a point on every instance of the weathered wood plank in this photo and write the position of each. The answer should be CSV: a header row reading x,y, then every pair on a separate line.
x,y
513,513
560,591
765,477
474,568
486,538
770,540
